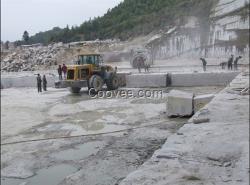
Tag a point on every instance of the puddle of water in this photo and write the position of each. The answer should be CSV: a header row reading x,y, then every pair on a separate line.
x,y
50,176
82,151
87,116
96,129
79,127
93,126
9,181
75,98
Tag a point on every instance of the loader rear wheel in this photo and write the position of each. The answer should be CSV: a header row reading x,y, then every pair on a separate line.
x,y
75,90
113,82
96,82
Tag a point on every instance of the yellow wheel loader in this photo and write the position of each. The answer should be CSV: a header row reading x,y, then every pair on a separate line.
x,y
89,71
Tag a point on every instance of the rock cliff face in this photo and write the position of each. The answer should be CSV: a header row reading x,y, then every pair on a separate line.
x,y
224,31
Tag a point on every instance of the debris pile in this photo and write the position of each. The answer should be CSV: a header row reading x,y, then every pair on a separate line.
x,y
36,56
31,58
100,45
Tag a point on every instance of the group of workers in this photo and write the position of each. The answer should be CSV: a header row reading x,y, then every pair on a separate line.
x,y
231,63
62,69
40,82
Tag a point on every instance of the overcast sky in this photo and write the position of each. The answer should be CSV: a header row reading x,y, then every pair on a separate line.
x,y
42,15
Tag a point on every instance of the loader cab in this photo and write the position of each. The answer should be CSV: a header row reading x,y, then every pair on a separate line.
x,y
92,59
78,72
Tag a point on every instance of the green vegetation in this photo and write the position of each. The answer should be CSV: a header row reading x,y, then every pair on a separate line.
x,y
129,19
25,36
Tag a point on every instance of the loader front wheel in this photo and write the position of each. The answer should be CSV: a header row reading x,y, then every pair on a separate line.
x,y
96,82
113,82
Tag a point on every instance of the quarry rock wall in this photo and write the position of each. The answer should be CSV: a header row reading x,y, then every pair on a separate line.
x,y
225,32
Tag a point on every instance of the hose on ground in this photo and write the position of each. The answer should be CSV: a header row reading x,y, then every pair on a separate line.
x,y
76,136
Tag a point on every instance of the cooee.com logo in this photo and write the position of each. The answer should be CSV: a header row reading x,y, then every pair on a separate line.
x,y
126,94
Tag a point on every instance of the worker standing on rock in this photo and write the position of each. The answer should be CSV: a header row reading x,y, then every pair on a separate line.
x,y
146,67
64,69
139,63
39,83
204,63
44,83
236,62
59,70
230,63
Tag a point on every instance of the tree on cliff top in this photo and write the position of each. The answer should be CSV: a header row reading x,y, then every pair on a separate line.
x,y
26,36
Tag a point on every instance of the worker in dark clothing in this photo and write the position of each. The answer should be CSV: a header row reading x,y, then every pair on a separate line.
x,y
236,62
204,63
146,66
59,70
223,65
64,70
139,63
39,83
44,83
230,63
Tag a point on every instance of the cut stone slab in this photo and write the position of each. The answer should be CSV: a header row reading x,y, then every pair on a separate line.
x,y
24,81
122,79
146,80
201,101
202,79
179,103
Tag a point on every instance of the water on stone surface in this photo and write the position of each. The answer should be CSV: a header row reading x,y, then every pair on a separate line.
x,y
80,152
50,176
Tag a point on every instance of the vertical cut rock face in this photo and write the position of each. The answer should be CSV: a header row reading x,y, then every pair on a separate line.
x,y
146,80
224,31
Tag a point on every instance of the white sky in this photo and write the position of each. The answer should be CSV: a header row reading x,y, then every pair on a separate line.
x,y
41,15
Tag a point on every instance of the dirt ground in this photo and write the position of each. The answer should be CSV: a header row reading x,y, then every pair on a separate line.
x,y
89,141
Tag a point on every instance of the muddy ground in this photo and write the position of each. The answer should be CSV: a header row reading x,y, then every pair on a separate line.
x,y
104,139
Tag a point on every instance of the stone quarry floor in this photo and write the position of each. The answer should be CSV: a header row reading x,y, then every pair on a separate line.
x,y
134,129
209,153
